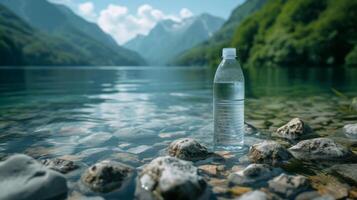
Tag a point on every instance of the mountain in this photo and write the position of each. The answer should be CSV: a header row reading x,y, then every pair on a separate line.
x,y
210,50
168,38
59,21
20,44
289,33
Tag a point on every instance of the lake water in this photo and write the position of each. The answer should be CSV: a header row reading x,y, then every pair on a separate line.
x,y
133,113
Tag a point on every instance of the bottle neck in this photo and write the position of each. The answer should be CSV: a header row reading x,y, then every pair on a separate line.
x,y
229,57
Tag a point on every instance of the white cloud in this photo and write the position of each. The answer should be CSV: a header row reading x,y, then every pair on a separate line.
x,y
123,25
185,13
87,9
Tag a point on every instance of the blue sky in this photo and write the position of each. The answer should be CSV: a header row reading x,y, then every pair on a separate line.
x,y
124,19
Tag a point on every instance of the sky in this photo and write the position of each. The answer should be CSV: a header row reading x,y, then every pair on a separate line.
x,y
125,19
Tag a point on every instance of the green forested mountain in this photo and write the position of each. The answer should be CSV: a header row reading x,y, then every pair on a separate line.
x,y
22,45
295,32
95,47
210,50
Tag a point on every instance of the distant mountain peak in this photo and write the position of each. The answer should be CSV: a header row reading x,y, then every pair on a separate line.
x,y
170,37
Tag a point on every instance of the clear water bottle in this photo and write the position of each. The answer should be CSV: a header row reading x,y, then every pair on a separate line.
x,y
228,103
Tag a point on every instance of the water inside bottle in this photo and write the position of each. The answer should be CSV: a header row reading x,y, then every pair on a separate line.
x,y
228,116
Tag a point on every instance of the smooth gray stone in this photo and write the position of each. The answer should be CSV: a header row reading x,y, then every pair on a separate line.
x,y
23,178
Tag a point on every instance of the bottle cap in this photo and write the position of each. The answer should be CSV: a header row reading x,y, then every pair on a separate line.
x,y
229,52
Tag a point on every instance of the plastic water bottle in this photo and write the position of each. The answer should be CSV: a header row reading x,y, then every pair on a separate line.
x,y
228,103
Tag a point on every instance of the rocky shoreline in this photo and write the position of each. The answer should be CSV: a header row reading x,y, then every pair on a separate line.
x,y
272,168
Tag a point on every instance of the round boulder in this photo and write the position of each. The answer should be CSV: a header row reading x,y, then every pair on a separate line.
x,y
188,149
106,176
22,177
319,149
268,152
169,178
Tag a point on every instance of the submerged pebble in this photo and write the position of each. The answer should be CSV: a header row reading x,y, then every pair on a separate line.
x,y
60,165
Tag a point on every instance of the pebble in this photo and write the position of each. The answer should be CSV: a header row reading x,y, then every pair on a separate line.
x,y
60,165
289,186
293,130
106,176
169,178
253,175
254,195
350,130
268,152
319,149
188,149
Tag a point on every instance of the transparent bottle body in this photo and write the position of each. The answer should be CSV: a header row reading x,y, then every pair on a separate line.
x,y
228,106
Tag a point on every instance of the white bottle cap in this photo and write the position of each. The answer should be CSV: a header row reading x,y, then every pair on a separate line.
x,y
229,53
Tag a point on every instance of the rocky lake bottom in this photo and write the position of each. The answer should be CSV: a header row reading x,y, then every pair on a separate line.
x,y
124,134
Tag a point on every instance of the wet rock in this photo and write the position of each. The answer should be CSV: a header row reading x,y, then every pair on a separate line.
x,y
268,152
169,178
213,170
106,176
60,165
293,130
329,185
188,149
350,130
22,177
289,186
237,190
250,129
253,175
319,149
313,195
254,195
346,171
